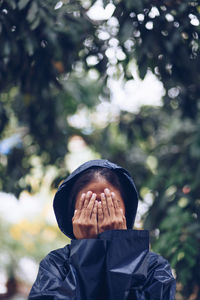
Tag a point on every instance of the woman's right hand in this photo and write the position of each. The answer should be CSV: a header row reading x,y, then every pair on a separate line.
x,y
84,220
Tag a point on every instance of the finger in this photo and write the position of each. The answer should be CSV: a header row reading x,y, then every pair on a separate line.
x,y
75,214
87,199
81,202
117,208
124,222
91,204
104,205
79,206
115,202
94,212
100,212
110,204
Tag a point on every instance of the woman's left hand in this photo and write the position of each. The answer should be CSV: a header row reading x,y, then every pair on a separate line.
x,y
110,214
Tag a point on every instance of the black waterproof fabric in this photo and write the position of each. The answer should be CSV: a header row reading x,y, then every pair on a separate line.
x,y
117,265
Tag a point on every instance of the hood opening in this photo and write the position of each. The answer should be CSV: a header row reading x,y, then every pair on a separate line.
x,y
64,206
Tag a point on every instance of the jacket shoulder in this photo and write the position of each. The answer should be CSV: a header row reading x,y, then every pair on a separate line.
x,y
156,261
56,261
159,270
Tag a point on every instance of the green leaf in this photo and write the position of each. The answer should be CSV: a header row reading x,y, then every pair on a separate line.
x,y
29,46
32,13
12,3
35,23
22,4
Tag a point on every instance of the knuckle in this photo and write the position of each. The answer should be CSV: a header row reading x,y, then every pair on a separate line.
x,y
106,226
79,223
113,222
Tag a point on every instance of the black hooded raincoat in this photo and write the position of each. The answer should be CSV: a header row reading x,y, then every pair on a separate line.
x,y
115,266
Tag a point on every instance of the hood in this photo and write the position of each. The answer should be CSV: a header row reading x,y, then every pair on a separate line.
x,y
64,208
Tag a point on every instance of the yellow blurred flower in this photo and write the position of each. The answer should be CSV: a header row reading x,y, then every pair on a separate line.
x,y
15,232
25,227
28,244
49,235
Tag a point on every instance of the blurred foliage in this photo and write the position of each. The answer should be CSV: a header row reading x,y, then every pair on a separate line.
x,y
33,239
47,54
162,153
40,45
25,241
39,42
161,146
164,36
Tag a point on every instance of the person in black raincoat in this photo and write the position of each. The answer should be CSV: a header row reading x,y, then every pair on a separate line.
x,y
108,260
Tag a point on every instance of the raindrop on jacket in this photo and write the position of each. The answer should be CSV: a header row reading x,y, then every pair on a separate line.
x,y
117,265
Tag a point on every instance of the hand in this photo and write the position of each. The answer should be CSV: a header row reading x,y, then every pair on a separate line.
x,y
110,215
84,220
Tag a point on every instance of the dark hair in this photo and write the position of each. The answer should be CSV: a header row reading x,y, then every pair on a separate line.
x,y
93,174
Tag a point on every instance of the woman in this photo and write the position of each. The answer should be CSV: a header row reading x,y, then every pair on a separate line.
x,y
96,207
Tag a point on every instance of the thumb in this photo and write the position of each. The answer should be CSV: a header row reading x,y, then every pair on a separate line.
x,y
76,214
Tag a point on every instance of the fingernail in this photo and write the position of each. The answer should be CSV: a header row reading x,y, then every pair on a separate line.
x,y
106,190
75,211
113,194
89,193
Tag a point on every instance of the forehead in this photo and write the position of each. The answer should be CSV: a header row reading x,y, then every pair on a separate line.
x,y
99,183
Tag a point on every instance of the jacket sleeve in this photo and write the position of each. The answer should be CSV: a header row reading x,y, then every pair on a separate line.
x,y
55,279
158,283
